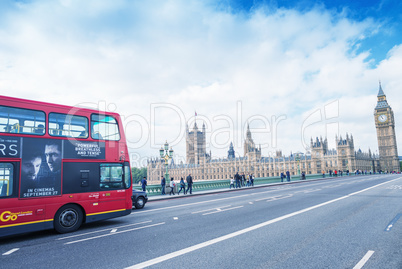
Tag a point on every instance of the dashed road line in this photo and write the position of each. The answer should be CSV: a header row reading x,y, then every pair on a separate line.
x,y
222,210
210,209
394,187
333,186
391,224
279,197
274,198
109,234
103,230
10,251
366,257
308,191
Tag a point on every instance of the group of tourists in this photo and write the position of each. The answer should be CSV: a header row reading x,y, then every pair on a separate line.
x,y
242,181
335,173
287,176
239,181
182,184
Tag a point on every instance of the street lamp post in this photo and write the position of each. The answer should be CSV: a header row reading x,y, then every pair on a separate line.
x,y
166,155
298,163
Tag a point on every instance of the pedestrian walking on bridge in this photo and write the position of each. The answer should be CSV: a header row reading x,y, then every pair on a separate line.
x,y
172,186
163,184
189,180
144,184
288,176
182,186
232,183
237,178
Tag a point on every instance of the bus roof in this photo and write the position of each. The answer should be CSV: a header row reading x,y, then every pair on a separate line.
x,y
16,102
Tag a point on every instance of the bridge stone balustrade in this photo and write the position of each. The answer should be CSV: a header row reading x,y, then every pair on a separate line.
x,y
225,183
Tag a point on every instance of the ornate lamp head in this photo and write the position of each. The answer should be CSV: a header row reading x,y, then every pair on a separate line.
x,y
166,146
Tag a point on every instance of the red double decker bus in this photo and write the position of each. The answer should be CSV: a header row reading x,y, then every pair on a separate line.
x,y
60,167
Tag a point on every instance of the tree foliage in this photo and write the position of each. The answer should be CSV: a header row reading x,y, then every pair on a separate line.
x,y
138,174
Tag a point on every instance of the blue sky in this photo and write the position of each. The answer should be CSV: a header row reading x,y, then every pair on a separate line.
x,y
292,70
387,13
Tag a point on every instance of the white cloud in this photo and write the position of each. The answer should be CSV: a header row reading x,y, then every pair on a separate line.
x,y
135,54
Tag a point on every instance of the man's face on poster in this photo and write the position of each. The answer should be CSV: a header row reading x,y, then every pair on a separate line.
x,y
53,157
30,168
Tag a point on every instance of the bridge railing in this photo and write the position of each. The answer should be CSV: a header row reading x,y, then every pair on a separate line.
x,y
225,183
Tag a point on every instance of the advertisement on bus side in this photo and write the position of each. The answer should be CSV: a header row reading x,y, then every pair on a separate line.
x,y
41,161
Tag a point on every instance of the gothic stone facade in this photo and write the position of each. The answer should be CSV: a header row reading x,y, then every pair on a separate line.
x,y
344,157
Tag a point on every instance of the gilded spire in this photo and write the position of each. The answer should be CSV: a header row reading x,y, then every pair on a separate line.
x,y
380,91
381,98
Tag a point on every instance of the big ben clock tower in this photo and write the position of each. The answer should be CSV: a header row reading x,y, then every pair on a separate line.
x,y
385,125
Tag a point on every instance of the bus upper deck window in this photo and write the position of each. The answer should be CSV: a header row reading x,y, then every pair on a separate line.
x,y
67,125
104,127
20,120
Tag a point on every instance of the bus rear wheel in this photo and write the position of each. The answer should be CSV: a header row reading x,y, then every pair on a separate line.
x,y
68,219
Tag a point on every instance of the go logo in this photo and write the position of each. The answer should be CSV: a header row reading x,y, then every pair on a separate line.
x,y
7,215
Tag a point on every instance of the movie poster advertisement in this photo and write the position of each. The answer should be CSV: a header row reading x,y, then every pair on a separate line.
x,y
41,161
84,150
41,167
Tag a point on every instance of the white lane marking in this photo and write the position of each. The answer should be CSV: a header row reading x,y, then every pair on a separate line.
x,y
240,232
336,185
210,209
104,235
263,199
76,235
274,198
395,187
10,251
113,231
307,191
364,260
218,211
391,224
279,197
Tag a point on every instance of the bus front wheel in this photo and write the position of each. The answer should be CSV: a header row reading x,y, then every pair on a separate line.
x,y
68,219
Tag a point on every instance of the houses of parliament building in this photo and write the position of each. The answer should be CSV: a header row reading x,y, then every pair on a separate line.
x,y
320,158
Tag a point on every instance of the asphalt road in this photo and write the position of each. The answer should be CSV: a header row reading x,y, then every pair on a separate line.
x,y
353,222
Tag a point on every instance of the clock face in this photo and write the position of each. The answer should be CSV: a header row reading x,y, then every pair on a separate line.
x,y
382,118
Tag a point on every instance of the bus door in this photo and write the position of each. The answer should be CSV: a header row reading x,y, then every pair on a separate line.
x,y
81,184
113,191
